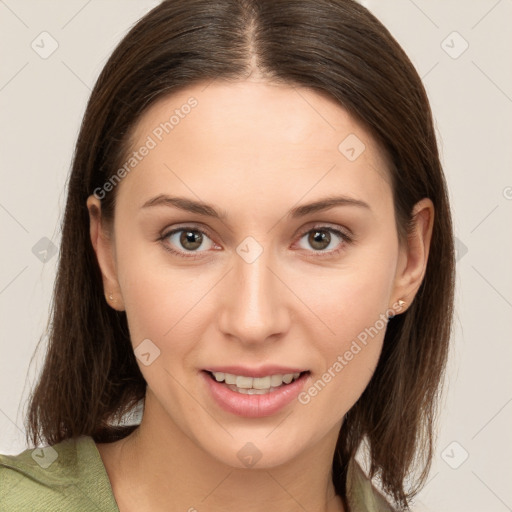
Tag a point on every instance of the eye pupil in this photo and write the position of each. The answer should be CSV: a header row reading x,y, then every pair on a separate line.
x,y
320,237
193,237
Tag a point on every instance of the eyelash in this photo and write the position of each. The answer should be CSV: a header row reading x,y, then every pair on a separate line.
x,y
346,239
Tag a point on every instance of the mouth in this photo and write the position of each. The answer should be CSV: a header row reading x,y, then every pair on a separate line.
x,y
267,391
256,385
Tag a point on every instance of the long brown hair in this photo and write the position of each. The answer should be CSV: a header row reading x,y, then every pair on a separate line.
x,y
337,47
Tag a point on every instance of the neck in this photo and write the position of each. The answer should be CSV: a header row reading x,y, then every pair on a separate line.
x,y
158,464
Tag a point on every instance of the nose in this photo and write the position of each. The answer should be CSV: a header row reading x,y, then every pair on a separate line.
x,y
254,306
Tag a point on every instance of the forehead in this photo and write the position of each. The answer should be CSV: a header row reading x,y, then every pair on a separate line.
x,y
256,138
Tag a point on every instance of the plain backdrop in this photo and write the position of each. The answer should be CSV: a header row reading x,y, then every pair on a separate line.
x,y
52,53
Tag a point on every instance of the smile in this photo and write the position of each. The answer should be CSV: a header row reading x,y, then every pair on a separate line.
x,y
255,385
254,397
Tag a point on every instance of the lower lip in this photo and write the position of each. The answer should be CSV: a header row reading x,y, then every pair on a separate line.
x,y
254,406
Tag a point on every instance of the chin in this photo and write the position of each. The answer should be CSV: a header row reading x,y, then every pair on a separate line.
x,y
259,451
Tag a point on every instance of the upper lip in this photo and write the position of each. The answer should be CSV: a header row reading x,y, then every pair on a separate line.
x,y
262,371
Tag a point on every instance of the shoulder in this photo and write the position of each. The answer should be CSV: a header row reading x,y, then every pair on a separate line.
x,y
362,495
64,477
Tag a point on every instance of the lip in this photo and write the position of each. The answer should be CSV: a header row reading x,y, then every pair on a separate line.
x,y
262,371
254,406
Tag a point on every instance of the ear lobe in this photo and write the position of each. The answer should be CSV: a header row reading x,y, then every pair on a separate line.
x,y
104,249
414,256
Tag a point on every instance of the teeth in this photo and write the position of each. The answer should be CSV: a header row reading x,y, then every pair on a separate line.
x,y
228,378
287,378
255,385
243,382
262,383
276,380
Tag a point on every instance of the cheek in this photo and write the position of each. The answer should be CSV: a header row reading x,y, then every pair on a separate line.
x,y
165,302
353,304
348,358
155,295
159,305
173,306
350,299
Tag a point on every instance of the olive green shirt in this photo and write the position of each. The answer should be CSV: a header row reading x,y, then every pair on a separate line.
x,y
70,476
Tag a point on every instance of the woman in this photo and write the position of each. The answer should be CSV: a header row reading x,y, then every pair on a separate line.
x,y
257,247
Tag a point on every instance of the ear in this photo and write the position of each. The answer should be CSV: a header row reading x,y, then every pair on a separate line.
x,y
103,245
413,258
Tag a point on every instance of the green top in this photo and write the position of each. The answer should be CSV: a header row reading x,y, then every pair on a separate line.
x,y
70,476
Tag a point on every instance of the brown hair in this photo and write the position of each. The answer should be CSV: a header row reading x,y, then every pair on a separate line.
x,y
337,47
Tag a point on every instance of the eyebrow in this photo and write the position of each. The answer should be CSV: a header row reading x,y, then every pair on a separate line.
x,y
208,210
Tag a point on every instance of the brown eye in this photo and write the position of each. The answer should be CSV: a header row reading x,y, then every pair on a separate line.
x,y
191,240
187,240
319,239
322,241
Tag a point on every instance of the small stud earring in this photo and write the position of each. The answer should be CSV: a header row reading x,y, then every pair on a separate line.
x,y
111,297
401,303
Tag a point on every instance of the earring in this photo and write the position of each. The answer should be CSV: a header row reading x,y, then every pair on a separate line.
x,y
401,303
111,297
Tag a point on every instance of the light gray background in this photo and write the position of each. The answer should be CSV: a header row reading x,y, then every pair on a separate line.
x,y
42,101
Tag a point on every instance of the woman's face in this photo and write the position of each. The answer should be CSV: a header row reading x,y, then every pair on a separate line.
x,y
221,267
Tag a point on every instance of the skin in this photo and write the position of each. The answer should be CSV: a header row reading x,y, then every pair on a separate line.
x,y
254,150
